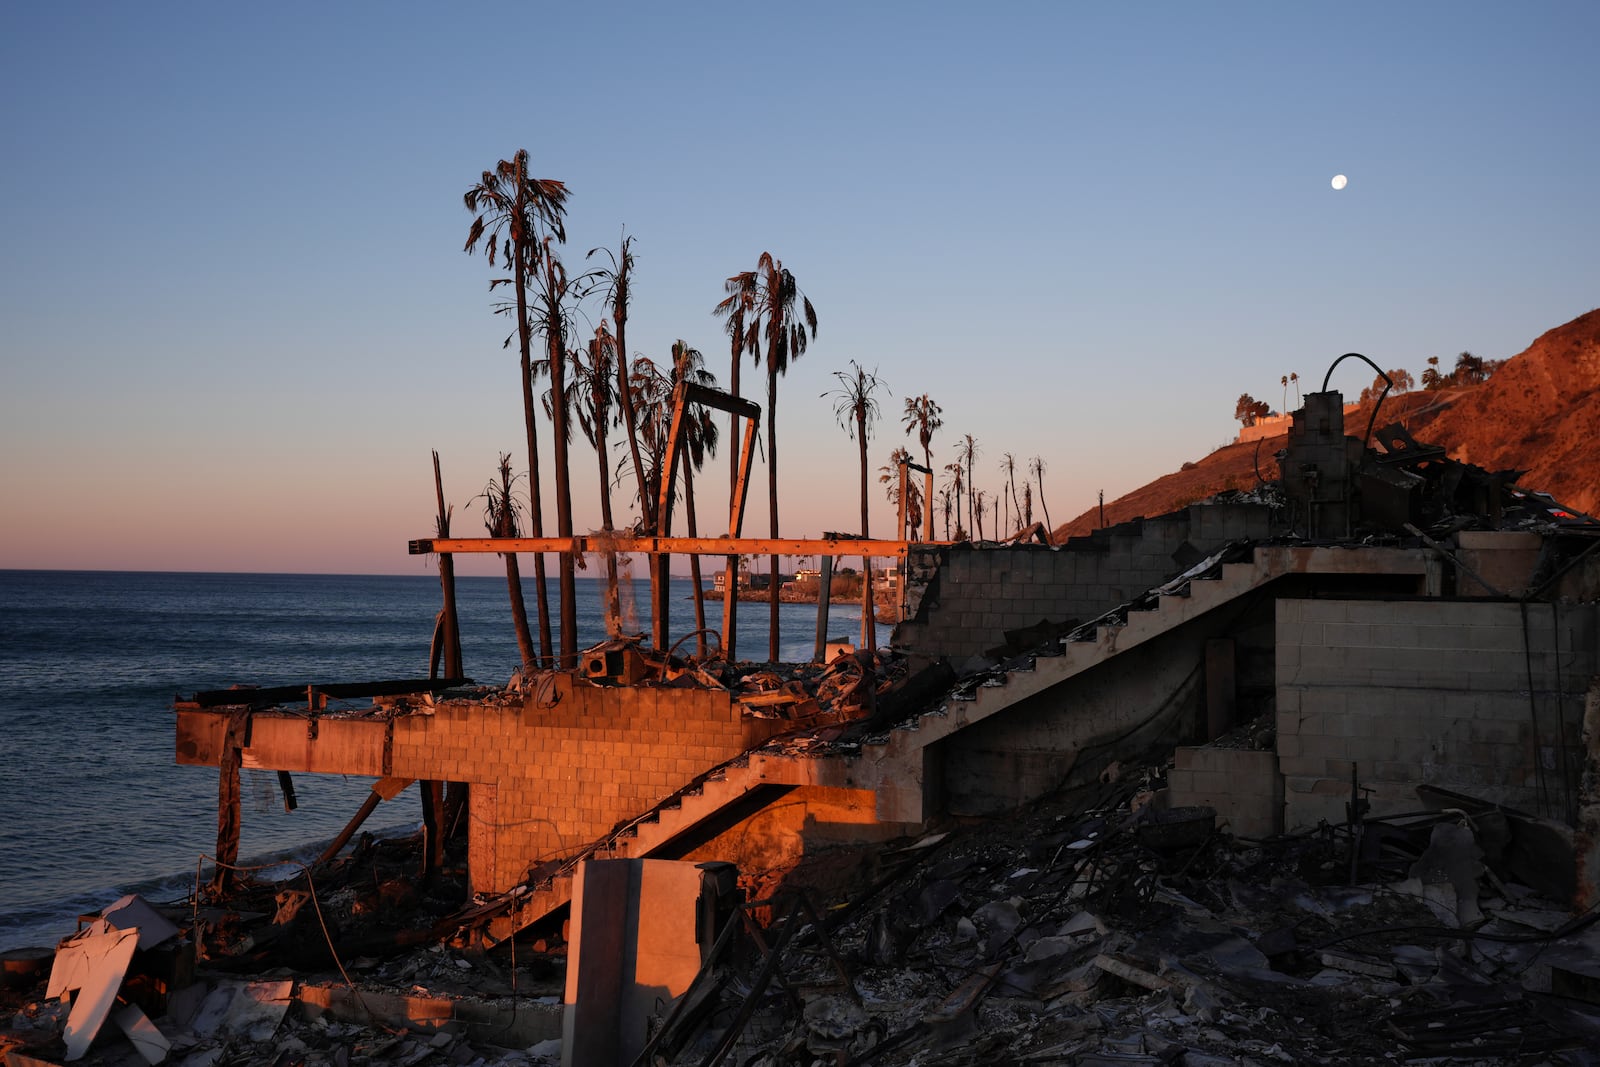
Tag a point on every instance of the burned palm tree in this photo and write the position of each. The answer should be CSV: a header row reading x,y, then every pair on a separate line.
x,y
922,414
594,402
512,214
967,451
776,314
889,475
1036,467
699,442
955,482
500,517
653,396
1008,463
856,408
617,281
554,294
743,323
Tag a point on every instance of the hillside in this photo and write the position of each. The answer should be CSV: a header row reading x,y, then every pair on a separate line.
x,y
1539,413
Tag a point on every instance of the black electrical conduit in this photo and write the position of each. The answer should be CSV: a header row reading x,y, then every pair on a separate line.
x,y
1388,384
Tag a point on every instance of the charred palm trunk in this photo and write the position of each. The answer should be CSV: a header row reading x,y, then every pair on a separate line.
x,y
1050,531
613,600
869,629
736,328
694,565
519,613
555,347
505,525
730,564
541,591
629,421
772,501
1011,477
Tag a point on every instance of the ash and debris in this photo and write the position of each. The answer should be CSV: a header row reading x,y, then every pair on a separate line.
x,y
1094,928
1093,934
244,979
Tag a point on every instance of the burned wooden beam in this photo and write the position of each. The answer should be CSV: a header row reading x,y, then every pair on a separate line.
x,y
688,546
383,789
267,696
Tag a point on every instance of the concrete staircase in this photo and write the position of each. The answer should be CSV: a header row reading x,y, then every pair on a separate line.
x,y
891,764
721,789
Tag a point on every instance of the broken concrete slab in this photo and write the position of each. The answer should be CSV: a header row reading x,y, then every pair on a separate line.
x,y
148,1041
248,1010
93,964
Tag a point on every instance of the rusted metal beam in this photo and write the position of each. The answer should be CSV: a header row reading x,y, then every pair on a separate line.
x,y
661,566
716,398
687,546
730,571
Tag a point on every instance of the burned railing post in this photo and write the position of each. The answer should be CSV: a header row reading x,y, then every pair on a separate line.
x,y
824,589
447,583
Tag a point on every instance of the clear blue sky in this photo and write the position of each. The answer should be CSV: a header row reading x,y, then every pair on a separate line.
x,y
235,315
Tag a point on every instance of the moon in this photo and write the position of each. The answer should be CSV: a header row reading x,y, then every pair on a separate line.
x,y
1340,181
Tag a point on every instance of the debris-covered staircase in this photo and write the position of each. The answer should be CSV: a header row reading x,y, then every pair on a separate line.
x,y
891,764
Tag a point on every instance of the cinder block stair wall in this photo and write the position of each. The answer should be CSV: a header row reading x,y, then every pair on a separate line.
x,y
883,764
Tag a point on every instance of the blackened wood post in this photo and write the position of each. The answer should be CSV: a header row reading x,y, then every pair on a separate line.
x,y
367,807
730,585
869,603
286,786
228,821
694,565
447,582
382,789
824,589
661,564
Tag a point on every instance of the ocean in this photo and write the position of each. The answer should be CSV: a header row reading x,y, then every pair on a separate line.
x,y
94,807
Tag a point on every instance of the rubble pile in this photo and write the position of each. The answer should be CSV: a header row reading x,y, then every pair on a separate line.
x,y
1113,932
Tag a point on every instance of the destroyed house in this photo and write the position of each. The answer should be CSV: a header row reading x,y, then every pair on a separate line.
x,y
1402,621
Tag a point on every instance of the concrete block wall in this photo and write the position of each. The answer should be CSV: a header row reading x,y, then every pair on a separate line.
x,y
568,764
1244,786
1429,691
549,773
963,598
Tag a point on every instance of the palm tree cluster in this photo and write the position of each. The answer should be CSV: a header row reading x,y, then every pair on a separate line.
x,y
1469,370
1012,507
571,335
519,223
768,318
